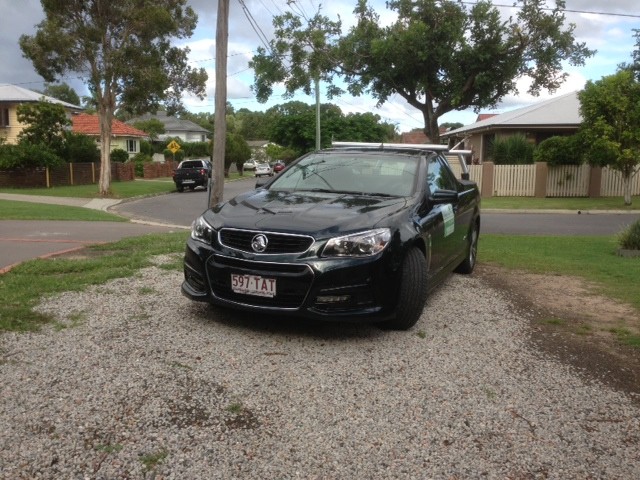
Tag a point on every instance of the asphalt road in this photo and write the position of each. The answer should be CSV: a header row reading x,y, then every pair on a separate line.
x,y
23,240
182,208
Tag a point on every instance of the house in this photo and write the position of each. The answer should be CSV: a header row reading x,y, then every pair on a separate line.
x,y
174,127
556,116
12,96
418,136
123,136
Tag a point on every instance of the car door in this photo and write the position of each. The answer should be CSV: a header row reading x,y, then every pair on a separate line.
x,y
448,236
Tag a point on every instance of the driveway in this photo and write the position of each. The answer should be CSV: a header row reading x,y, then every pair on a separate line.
x,y
151,385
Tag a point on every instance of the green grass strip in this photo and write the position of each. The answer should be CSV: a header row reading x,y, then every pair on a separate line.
x,y
13,210
592,258
23,287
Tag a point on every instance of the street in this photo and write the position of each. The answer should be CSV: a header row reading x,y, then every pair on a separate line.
x,y
182,208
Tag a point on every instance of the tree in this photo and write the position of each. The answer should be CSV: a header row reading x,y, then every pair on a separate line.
x,y
635,65
153,127
439,55
610,110
62,92
236,151
45,123
123,49
292,125
252,125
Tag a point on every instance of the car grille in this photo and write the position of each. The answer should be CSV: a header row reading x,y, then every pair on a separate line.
x,y
292,281
277,242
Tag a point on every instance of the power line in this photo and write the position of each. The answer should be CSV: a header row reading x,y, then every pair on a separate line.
x,y
609,14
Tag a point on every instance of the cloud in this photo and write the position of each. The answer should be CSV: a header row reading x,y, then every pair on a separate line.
x,y
610,35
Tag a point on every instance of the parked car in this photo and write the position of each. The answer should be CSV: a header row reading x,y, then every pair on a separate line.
x,y
192,174
250,165
278,166
263,169
355,233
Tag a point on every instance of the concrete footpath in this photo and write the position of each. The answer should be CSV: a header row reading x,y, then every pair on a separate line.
x,y
22,240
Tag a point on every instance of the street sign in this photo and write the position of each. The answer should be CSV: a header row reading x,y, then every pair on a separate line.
x,y
173,146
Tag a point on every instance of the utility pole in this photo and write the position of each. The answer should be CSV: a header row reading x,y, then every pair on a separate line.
x,y
220,118
318,143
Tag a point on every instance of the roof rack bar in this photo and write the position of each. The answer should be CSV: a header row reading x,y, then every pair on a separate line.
x,y
424,146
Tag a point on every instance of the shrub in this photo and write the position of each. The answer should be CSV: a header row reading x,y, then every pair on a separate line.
x,y
27,155
119,155
629,238
560,151
139,160
512,150
80,148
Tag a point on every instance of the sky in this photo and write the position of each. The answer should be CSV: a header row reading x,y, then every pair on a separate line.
x,y
608,30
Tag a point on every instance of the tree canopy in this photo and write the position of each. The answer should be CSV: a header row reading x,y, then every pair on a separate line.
x,y
610,109
293,124
62,92
439,55
123,50
45,125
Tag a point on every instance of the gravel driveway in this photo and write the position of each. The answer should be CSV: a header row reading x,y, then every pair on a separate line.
x,y
135,381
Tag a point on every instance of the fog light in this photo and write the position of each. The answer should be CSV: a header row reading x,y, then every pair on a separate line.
x,y
333,298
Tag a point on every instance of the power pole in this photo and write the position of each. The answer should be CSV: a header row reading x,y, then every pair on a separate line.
x,y
318,143
220,118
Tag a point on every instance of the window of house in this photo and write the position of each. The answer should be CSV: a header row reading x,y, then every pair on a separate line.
x,y
132,146
4,117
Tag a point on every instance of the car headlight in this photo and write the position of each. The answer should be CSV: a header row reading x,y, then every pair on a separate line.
x,y
202,231
358,244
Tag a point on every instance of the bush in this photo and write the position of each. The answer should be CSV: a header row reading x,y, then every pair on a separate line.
x,y
629,238
27,155
560,151
512,150
80,148
139,160
118,155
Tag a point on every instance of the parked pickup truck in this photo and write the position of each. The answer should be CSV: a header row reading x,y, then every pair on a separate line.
x,y
192,174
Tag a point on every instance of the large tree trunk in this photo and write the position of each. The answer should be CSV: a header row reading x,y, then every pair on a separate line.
x,y
104,185
626,182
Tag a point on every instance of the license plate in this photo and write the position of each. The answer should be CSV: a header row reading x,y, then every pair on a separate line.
x,y
253,285
188,181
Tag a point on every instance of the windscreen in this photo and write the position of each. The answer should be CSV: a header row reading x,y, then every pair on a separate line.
x,y
349,172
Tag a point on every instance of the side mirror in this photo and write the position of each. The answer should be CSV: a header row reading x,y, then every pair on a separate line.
x,y
444,196
261,182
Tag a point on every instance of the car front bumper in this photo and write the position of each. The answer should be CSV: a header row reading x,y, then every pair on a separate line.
x,y
341,289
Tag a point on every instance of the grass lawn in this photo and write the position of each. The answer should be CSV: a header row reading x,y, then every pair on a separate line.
x,y
591,258
22,287
137,188
10,210
119,189
571,203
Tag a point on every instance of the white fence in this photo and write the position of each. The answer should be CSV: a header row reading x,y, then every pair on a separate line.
x,y
568,181
561,181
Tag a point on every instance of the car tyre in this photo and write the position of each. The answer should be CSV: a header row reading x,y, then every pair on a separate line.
x,y
180,188
413,292
469,263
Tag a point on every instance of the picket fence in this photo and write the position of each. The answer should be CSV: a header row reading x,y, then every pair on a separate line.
x,y
561,181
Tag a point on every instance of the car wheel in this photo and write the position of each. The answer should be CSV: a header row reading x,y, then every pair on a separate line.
x,y
180,188
469,263
413,291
